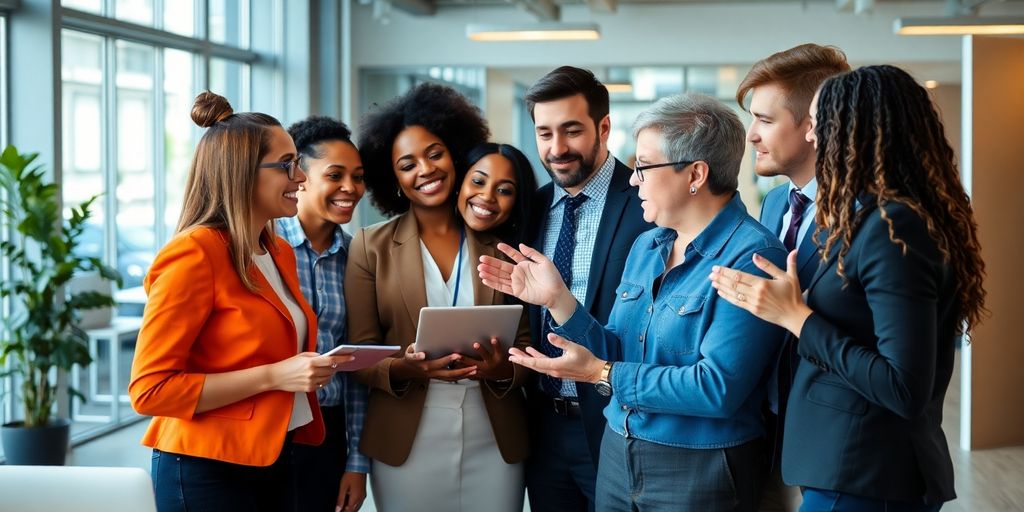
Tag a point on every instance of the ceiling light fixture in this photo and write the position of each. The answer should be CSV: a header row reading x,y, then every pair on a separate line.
x,y
534,32
962,25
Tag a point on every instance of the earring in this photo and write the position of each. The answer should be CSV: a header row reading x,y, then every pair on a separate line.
x,y
693,191
398,192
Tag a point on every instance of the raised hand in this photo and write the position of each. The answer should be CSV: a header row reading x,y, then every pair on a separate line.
x,y
531,278
777,300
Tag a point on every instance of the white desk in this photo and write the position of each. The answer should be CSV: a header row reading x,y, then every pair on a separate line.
x,y
120,329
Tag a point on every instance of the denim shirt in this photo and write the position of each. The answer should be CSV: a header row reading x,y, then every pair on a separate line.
x,y
690,368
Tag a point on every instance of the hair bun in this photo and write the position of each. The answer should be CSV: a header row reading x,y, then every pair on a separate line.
x,y
210,108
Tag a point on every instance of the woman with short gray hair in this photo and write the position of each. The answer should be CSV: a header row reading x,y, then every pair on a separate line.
x,y
686,382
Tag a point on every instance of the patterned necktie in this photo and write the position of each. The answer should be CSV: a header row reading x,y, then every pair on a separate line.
x,y
797,204
564,249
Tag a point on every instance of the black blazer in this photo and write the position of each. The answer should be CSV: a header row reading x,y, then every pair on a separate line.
x,y
864,416
621,222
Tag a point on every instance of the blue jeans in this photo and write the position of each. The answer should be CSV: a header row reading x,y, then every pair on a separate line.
x,y
637,475
819,500
194,484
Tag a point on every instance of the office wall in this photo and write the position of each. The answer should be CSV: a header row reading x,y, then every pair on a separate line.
x,y
994,109
639,34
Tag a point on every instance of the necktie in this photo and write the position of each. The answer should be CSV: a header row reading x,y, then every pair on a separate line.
x,y
564,249
797,204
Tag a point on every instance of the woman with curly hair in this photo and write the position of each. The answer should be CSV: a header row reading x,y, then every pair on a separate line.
x,y
446,434
334,473
899,284
497,192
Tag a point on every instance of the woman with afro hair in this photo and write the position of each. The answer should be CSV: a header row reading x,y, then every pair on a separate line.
x,y
446,434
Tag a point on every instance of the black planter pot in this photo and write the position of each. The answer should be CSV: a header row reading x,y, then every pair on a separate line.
x,y
37,446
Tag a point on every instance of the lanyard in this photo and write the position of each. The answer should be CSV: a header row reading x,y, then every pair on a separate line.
x,y
458,267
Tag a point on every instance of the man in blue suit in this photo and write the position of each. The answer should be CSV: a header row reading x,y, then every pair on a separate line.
x,y
586,222
781,87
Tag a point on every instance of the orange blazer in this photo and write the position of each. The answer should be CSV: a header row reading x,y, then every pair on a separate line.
x,y
200,319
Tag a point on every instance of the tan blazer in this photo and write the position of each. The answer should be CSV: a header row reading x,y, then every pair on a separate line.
x,y
384,291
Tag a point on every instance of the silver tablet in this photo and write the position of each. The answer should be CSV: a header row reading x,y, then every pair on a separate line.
x,y
444,330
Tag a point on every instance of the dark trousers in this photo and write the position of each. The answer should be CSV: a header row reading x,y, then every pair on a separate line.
x,y
818,500
637,475
195,484
560,475
318,469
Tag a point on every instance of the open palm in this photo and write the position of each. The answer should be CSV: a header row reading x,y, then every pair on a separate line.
x,y
532,277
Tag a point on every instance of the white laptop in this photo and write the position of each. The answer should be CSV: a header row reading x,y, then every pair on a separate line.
x,y
77,488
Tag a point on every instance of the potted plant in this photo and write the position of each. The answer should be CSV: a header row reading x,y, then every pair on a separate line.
x,y
41,334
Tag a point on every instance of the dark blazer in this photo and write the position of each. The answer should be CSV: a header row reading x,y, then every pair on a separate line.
x,y
384,292
621,222
875,361
775,205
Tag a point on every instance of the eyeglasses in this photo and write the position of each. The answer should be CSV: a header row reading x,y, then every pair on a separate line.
x,y
639,169
288,166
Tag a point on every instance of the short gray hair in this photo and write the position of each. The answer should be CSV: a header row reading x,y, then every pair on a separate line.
x,y
699,127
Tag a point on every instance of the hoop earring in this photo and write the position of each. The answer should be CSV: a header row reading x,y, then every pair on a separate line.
x,y
693,191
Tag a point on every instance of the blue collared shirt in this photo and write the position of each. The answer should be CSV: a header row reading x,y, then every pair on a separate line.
x,y
690,368
588,221
321,278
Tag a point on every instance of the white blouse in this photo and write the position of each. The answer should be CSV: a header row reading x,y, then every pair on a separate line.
x,y
441,292
301,412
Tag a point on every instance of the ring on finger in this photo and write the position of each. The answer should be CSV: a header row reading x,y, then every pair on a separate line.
x,y
740,297
334,365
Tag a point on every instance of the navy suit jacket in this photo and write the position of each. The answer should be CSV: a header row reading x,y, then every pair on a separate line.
x,y
865,412
621,223
776,204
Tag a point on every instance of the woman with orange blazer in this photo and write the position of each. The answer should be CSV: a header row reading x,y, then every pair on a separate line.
x,y
224,361
446,434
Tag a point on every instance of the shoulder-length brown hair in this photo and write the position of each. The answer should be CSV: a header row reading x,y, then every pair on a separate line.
x,y
223,175
880,139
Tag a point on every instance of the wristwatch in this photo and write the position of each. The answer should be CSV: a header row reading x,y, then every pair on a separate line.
x,y
604,386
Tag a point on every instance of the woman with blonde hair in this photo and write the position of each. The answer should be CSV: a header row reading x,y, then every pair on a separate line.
x,y
225,360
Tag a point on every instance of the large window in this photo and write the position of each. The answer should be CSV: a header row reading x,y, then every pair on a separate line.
x,y
130,70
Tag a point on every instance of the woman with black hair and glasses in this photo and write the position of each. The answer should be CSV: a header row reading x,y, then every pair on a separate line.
x,y
686,380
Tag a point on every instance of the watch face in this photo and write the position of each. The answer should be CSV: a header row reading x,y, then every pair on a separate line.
x,y
603,388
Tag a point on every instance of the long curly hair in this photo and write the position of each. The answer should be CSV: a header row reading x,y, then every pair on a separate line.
x,y
443,111
880,139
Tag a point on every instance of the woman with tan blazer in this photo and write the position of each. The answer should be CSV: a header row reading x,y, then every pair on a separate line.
x,y
446,434
225,361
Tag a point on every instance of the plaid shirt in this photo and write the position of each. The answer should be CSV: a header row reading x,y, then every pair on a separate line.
x,y
588,220
321,277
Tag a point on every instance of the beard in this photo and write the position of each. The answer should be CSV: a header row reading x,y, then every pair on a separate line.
x,y
570,178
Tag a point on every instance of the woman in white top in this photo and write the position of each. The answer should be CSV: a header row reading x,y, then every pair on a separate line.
x,y
225,361
446,434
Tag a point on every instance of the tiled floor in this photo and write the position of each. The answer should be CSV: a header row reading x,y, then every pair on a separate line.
x,y
986,480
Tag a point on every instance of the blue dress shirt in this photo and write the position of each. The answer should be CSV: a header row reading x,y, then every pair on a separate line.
x,y
690,368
